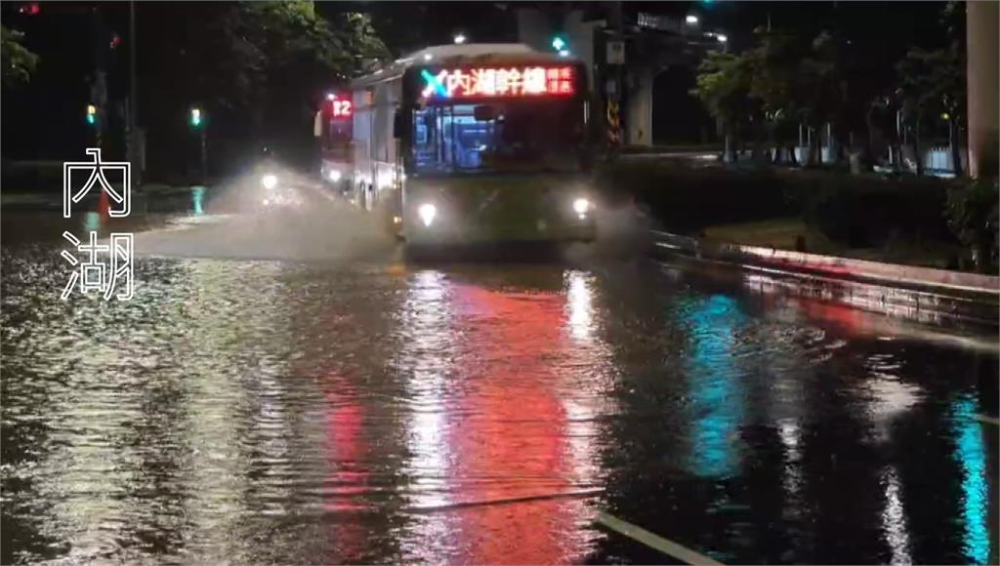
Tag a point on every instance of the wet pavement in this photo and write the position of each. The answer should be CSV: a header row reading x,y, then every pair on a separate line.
x,y
316,399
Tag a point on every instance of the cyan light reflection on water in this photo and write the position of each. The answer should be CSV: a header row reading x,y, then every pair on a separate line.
x,y
92,222
971,456
197,197
717,404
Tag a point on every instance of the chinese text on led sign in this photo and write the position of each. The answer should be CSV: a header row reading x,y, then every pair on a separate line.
x,y
509,81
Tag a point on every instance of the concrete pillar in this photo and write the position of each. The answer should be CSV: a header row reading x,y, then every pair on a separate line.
x,y
639,108
982,21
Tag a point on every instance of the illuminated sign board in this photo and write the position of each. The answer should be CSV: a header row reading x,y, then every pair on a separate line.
x,y
505,82
342,108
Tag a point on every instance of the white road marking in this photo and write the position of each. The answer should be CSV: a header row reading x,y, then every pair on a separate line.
x,y
653,541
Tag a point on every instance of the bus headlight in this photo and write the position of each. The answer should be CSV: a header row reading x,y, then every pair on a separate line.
x,y
427,213
269,181
581,206
333,175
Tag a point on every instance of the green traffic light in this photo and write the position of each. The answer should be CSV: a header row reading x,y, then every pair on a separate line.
x,y
91,119
196,117
558,43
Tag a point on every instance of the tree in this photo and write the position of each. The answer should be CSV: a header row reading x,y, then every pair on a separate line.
x,y
259,69
932,84
17,61
303,55
973,213
787,81
724,87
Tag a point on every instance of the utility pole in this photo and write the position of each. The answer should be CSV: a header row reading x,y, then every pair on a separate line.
x,y
197,120
134,153
204,159
982,88
615,94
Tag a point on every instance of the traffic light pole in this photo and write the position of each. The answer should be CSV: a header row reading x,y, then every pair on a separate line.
x,y
133,103
614,98
204,157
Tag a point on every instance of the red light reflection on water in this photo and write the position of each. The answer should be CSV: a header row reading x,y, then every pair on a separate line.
x,y
347,481
514,444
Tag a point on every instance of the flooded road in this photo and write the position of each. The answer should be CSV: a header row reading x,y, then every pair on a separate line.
x,y
306,410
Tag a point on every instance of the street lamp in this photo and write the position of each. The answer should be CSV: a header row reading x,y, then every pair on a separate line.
x,y
691,20
460,39
330,96
722,38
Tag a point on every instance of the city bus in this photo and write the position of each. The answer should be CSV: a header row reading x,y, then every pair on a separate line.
x,y
333,128
477,143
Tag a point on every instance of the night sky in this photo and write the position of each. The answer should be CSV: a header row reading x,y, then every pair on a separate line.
x,y
44,119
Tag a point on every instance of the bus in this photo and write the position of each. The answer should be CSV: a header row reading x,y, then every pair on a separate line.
x,y
475,143
333,128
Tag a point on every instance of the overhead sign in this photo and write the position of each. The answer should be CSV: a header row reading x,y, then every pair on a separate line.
x,y
615,53
646,20
502,82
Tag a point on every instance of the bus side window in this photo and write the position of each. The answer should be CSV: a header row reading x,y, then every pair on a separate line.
x,y
401,124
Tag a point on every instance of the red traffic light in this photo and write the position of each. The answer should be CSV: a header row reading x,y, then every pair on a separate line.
x,y
30,9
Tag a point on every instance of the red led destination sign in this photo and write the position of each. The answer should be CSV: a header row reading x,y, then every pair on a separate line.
x,y
506,82
342,109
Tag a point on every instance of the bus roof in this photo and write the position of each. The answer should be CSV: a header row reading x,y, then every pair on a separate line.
x,y
487,54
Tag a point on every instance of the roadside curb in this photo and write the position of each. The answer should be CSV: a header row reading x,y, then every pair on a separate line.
x,y
157,189
947,282
926,295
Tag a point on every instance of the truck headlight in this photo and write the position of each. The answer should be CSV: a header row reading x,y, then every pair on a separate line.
x,y
269,181
333,175
427,213
581,206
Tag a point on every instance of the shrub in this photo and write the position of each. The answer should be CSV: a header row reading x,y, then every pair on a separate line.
x,y
973,213
863,211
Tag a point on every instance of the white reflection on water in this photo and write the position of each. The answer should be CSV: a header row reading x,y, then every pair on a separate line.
x,y
579,295
587,350
791,434
894,523
427,319
887,396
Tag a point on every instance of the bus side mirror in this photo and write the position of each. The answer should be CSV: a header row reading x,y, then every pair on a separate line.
x,y
318,125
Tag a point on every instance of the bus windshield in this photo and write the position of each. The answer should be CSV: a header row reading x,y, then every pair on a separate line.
x,y
504,136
